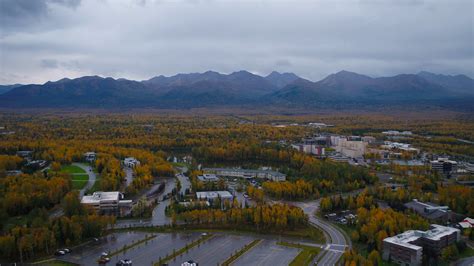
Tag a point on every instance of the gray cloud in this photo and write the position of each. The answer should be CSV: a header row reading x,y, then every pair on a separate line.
x,y
49,63
139,39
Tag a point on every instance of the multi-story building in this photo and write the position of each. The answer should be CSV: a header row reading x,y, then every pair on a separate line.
x,y
107,202
444,166
351,149
408,248
247,173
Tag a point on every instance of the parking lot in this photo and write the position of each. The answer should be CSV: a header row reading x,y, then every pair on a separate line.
x,y
269,253
215,250
211,252
142,254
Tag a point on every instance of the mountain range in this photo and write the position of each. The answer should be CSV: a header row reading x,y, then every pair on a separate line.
x,y
242,88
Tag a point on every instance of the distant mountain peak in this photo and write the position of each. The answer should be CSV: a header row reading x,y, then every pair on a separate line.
x,y
281,79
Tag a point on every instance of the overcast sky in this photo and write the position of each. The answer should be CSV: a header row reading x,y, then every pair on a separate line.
x,y
43,40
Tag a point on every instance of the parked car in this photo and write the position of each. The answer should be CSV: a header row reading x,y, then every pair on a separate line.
x,y
124,262
60,252
103,260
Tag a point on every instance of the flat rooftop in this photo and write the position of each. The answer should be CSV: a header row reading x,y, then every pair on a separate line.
x,y
213,194
250,171
435,233
99,196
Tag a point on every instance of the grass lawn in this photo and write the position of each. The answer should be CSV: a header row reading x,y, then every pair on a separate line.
x,y
72,169
96,186
305,257
79,180
79,176
468,252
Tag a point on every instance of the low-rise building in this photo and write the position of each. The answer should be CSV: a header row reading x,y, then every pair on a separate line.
x,y
309,148
396,133
25,154
444,166
131,162
213,195
90,156
466,223
408,248
110,202
247,173
208,178
432,211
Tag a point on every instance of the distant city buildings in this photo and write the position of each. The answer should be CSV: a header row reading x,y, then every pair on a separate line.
x,y
399,146
247,173
397,133
408,248
351,148
111,202
444,166
131,162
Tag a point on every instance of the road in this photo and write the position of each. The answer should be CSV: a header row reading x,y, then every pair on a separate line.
x,y
335,240
185,183
92,178
128,175
465,262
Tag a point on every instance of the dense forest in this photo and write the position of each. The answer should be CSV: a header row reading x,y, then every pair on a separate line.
x,y
29,200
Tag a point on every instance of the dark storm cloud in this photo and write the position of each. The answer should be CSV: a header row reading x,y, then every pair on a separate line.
x,y
139,39
20,13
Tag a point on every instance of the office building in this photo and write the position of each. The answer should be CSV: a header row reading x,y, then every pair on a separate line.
x,y
408,248
247,173
111,202
431,211
444,166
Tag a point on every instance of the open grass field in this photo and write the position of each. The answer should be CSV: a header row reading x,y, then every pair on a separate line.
x,y
79,177
79,181
72,169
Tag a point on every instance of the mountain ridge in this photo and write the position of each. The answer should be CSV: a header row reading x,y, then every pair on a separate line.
x,y
212,88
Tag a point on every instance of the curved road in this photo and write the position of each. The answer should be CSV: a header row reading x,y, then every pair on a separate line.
x,y
335,240
92,178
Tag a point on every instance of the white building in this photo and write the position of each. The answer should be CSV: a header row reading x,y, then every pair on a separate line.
x,y
131,162
106,202
90,156
399,146
396,133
